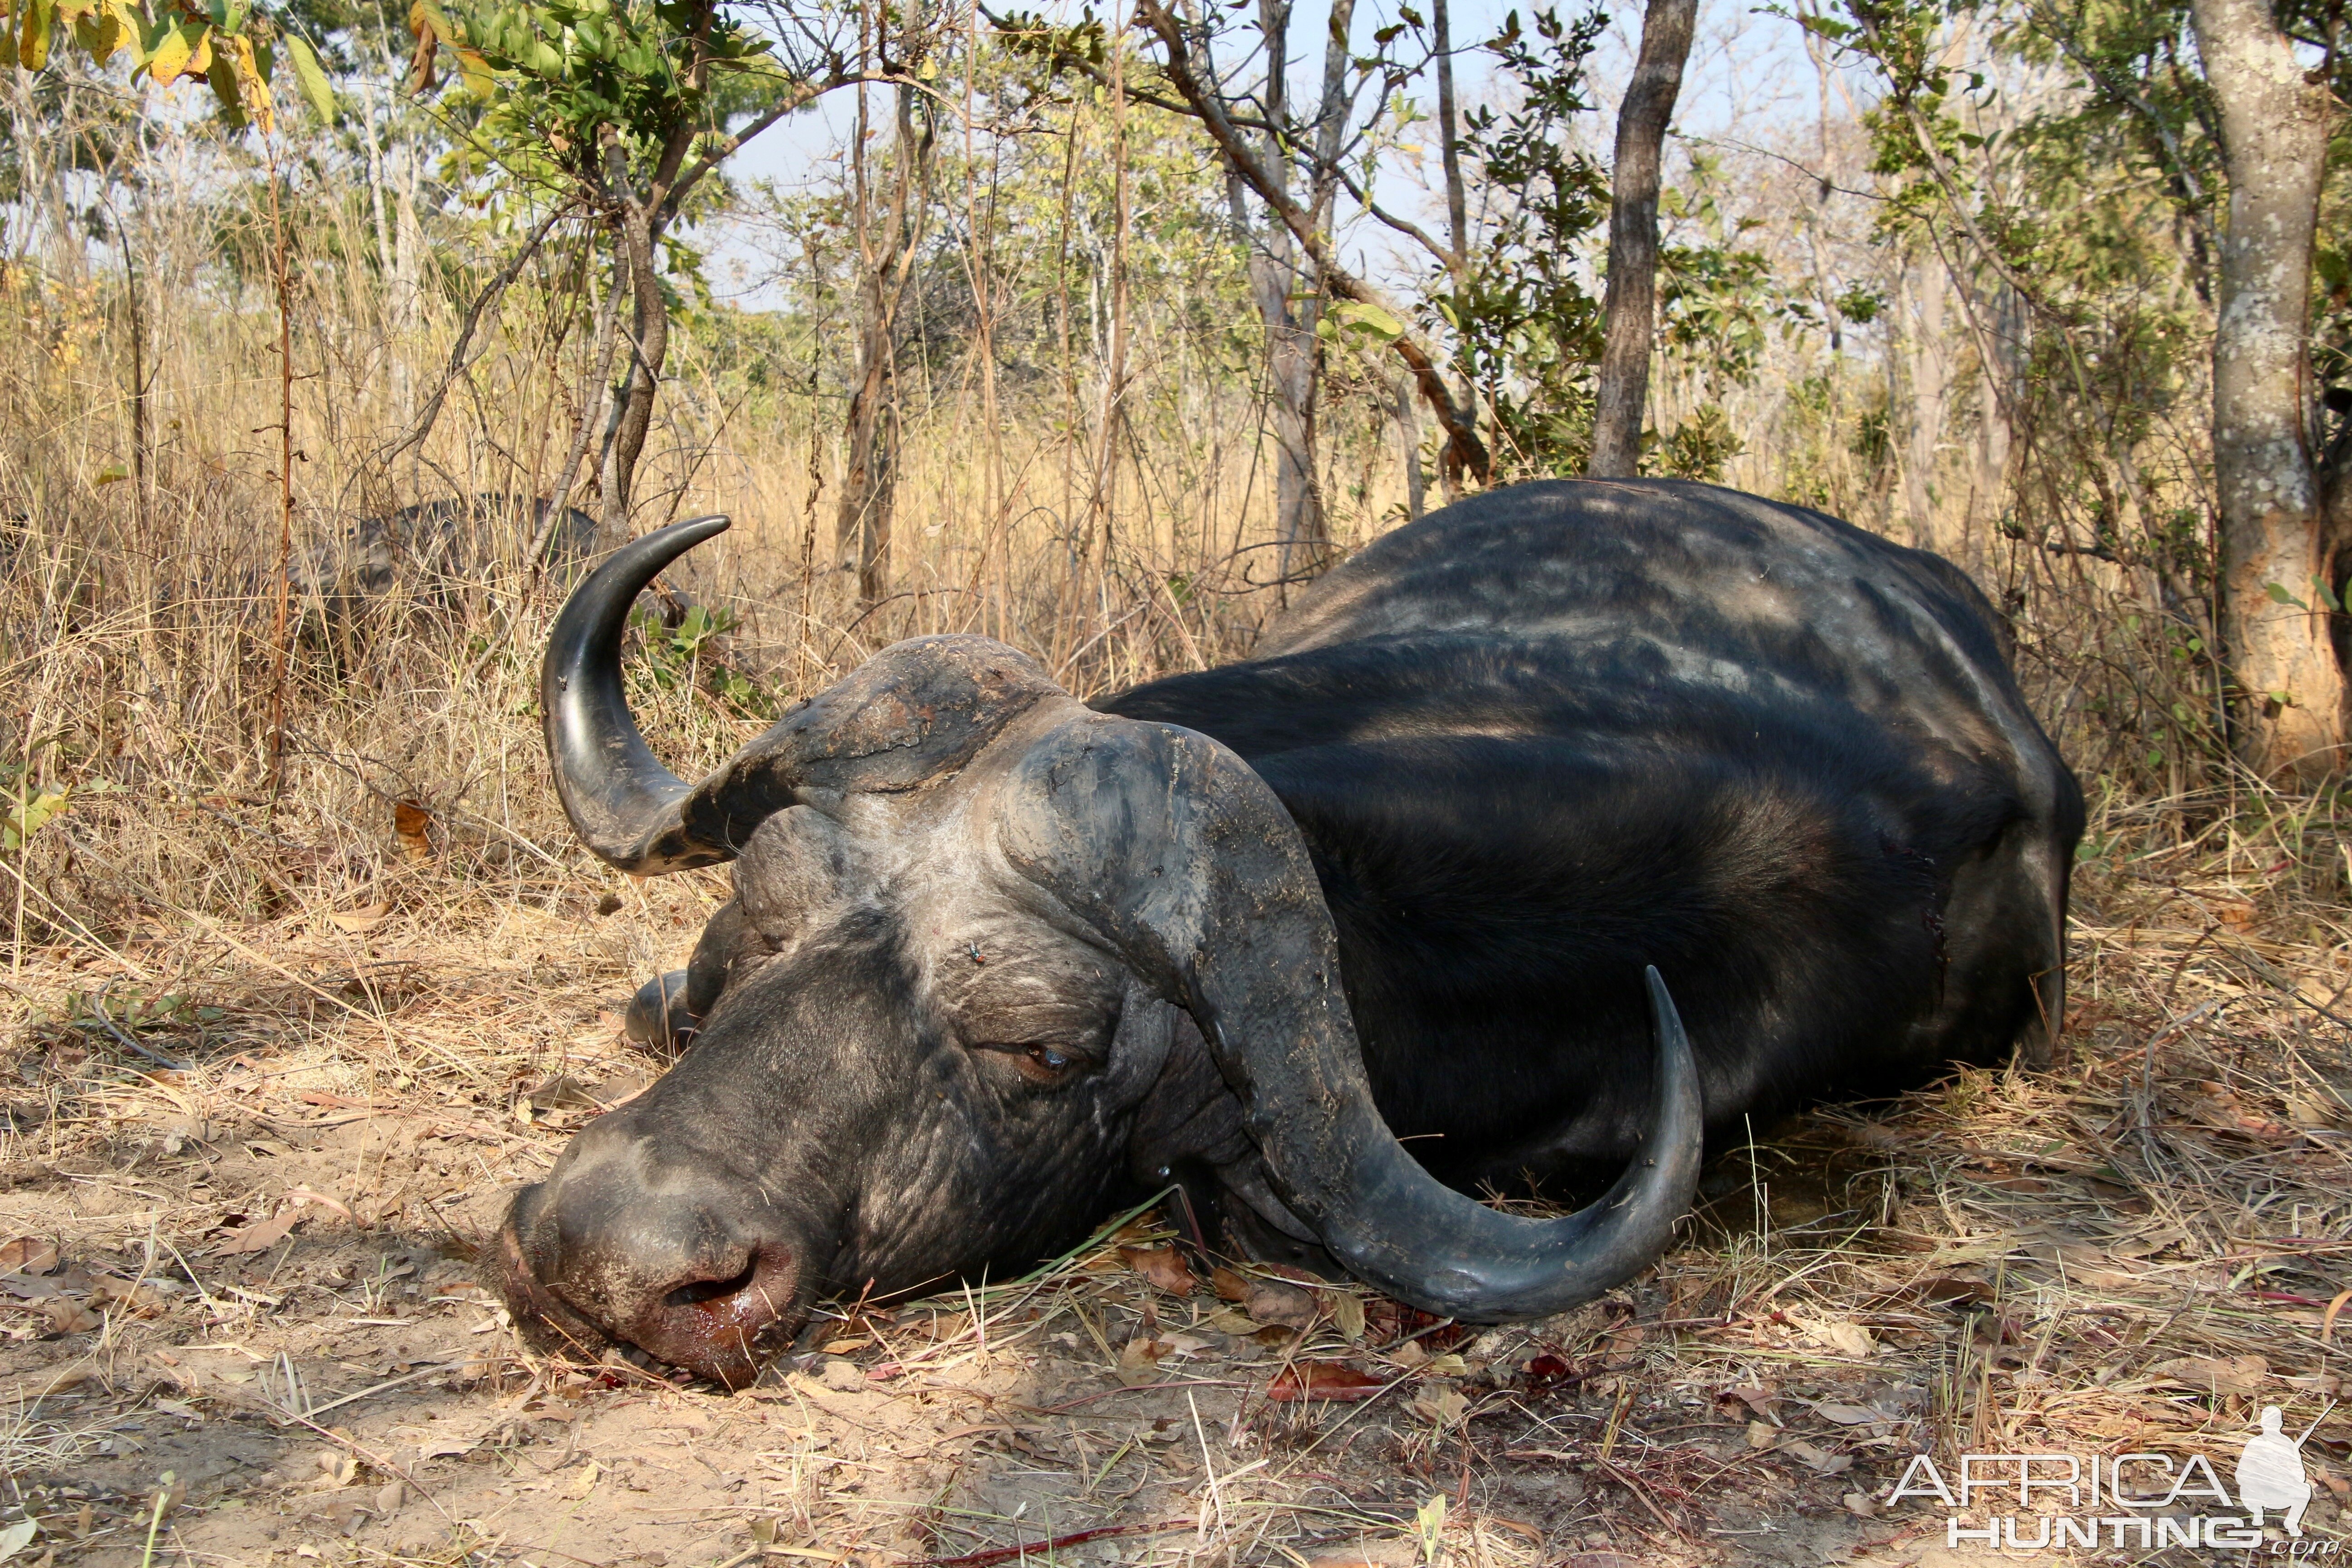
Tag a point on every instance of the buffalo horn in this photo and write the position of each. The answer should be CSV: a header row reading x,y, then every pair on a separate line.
x,y
627,807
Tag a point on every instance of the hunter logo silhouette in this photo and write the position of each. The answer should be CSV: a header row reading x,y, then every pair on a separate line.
x,y
2270,1473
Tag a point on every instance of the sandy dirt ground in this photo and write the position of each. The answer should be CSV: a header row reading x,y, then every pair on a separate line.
x,y
245,1171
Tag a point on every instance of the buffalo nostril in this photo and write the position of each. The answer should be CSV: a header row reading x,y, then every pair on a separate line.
x,y
694,1293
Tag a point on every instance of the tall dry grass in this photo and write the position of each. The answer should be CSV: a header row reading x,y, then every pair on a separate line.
x,y
139,623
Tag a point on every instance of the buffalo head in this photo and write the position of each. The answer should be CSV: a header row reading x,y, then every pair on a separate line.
x,y
993,962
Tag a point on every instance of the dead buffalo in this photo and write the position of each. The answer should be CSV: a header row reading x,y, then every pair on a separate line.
x,y
998,961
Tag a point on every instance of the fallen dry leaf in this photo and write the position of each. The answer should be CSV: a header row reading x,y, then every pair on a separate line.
x,y
1269,1302
69,1317
138,1296
29,1255
1817,1460
361,921
1162,1268
338,1507
1846,1339
1228,1285
72,1377
412,825
1440,1405
1848,1415
297,1197
1376,1554
262,1235
2213,1374
1331,1380
1347,1314
1951,1289
561,1092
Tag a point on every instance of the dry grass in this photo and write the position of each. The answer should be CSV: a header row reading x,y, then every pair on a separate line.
x,y
2130,1251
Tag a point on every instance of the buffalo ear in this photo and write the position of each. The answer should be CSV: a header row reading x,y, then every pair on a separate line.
x,y
660,1014
1180,857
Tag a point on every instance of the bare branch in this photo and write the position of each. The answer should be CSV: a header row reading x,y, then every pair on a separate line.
x,y
458,362
1419,355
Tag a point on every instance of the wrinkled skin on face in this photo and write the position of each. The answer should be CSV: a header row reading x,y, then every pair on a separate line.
x,y
891,1009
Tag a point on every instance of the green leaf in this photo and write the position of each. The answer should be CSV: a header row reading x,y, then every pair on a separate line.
x,y
29,817
317,91
223,78
1429,1523
427,15
1370,320
112,474
475,72
2279,595
2326,594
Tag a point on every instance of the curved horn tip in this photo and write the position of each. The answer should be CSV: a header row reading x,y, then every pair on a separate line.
x,y
625,805
1465,1261
1675,1056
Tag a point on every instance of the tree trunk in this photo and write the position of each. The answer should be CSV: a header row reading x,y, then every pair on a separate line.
x,y
1457,224
1931,385
2336,525
861,531
2275,126
1408,422
648,345
1630,308
1292,361
596,387
1449,137
2001,351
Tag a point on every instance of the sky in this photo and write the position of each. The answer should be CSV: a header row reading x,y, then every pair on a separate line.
x,y
1748,75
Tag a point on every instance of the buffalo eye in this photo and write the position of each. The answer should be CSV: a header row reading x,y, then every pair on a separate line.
x,y
1046,1063
1040,1063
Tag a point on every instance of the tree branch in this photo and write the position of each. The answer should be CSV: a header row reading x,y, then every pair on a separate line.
x,y
1452,260
1419,355
803,93
459,363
